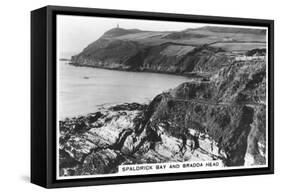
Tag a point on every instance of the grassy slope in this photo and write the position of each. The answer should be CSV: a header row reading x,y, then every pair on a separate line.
x,y
151,50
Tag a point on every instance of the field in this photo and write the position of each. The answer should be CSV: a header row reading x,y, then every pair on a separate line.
x,y
239,46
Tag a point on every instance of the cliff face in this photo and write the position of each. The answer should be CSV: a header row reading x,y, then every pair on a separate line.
x,y
230,108
180,52
220,119
166,58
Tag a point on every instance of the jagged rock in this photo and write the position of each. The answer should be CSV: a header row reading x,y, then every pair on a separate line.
x,y
222,118
219,112
94,117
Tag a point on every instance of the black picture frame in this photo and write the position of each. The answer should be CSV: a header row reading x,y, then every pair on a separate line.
x,y
43,95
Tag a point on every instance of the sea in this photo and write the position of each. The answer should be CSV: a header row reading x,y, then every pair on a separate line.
x,y
83,90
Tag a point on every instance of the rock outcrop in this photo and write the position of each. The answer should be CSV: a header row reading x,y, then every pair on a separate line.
x,y
222,118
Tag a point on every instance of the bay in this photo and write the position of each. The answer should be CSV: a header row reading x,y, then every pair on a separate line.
x,y
83,90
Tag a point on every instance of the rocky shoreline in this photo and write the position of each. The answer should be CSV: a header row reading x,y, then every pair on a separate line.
x,y
219,119
195,75
99,142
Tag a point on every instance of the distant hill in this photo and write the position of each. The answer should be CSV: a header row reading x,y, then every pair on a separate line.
x,y
204,49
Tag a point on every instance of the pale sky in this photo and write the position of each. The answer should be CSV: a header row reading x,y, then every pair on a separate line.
x,y
74,33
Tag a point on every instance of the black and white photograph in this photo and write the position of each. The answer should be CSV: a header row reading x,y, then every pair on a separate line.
x,y
139,97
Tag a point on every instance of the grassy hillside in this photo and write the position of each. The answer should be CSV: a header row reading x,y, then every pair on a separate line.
x,y
178,52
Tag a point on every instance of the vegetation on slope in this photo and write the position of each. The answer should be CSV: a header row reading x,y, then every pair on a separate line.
x,y
194,50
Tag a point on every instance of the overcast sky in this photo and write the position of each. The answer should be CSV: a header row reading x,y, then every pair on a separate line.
x,y
76,32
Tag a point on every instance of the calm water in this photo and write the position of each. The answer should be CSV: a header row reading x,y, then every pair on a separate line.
x,y
84,90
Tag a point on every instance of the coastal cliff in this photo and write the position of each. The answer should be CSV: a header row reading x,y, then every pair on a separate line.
x,y
200,50
222,118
